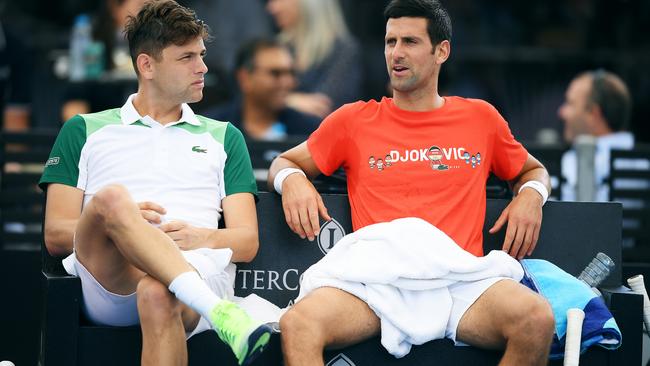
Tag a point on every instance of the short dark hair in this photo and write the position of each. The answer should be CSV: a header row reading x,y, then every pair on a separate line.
x,y
159,24
438,20
610,93
245,57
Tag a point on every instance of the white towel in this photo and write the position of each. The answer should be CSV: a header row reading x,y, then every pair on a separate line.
x,y
402,269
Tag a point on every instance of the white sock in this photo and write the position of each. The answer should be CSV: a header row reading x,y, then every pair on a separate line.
x,y
190,289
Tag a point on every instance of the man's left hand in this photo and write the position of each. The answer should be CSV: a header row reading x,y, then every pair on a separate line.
x,y
185,235
524,218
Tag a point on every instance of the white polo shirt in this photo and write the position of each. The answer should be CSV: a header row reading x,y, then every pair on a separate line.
x,y
187,166
604,144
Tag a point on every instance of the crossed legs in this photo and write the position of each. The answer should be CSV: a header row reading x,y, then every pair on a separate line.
x,y
164,321
507,315
119,248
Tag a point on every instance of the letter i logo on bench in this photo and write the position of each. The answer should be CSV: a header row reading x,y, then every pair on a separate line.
x,y
340,360
330,233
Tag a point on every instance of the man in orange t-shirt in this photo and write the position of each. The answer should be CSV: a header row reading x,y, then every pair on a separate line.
x,y
419,155
431,174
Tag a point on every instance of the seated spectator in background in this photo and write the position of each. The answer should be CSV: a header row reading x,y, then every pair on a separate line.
x,y
232,23
265,74
597,103
327,56
118,77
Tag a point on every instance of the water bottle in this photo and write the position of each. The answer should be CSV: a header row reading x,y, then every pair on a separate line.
x,y
80,40
597,270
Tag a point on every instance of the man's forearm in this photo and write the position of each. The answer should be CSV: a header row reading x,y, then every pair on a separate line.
x,y
278,164
537,174
59,236
243,241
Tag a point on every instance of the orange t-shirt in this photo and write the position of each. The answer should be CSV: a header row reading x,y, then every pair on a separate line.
x,y
432,165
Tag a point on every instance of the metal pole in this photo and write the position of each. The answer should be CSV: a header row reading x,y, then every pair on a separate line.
x,y
585,146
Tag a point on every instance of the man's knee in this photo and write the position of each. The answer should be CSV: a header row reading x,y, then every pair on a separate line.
x,y
542,315
155,302
296,323
534,318
111,203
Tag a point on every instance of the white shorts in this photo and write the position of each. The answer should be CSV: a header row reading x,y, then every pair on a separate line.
x,y
103,307
463,295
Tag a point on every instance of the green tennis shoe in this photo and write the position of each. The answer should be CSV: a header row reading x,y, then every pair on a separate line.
x,y
245,336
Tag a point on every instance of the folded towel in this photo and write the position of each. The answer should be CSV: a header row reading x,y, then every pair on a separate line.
x,y
563,291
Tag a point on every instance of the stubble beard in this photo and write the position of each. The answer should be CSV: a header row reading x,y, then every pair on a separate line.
x,y
403,84
193,96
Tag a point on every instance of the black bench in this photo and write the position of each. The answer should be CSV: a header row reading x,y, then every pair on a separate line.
x,y
572,233
262,154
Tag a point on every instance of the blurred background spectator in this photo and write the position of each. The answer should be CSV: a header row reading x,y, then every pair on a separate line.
x,y
598,104
327,57
232,23
265,74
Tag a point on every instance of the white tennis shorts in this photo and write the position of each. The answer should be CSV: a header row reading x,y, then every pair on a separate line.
x,y
104,307
463,295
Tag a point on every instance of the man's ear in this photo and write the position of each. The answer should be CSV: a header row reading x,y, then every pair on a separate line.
x,y
243,78
442,52
145,64
595,120
595,111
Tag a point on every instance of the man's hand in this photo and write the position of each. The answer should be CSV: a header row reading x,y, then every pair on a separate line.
x,y
302,205
185,235
524,217
317,104
151,212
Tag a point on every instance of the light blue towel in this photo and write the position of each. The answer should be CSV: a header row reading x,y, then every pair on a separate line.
x,y
563,291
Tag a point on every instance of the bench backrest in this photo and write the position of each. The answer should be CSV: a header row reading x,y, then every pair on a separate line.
x,y
571,235
262,154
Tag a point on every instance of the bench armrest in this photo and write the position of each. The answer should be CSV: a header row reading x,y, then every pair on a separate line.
x,y
60,319
627,308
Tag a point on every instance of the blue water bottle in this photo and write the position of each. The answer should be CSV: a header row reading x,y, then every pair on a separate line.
x,y
80,39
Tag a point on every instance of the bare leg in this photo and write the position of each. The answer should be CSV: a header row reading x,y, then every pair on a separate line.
x,y
118,246
164,321
512,316
309,327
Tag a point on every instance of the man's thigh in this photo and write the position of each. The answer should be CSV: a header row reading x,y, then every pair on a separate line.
x,y
483,323
343,318
101,257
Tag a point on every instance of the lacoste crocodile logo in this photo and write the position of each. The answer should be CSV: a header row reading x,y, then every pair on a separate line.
x,y
199,149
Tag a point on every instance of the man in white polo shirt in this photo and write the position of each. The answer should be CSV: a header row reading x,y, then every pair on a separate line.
x,y
135,194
